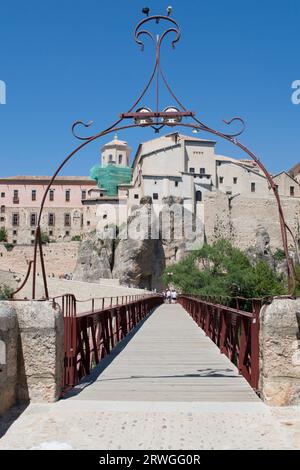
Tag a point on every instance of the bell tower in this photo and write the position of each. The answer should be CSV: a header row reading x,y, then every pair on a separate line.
x,y
117,152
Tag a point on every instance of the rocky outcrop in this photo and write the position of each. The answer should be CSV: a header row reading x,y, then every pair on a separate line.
x,y
139,257
153,237
95,259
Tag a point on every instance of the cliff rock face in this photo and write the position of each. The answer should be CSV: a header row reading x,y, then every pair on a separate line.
x,y
95,259
139,257
152,238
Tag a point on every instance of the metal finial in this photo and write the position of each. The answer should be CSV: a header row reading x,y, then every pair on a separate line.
x,y
146,11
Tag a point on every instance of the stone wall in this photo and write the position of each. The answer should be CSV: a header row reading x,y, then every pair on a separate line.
x,y
280,352
241,219
31,352
16,260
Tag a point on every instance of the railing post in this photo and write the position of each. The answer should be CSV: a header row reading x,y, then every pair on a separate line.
x,y
255,344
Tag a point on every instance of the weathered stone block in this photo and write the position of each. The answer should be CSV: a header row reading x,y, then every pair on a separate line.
x,y
280,352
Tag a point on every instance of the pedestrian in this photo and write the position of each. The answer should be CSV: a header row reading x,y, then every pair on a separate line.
x,y
174,296
168,296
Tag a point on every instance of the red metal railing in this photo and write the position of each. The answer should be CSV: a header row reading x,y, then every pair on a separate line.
x,y
88,337
234,331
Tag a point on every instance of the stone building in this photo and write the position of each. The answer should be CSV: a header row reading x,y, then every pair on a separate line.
x,y
176,165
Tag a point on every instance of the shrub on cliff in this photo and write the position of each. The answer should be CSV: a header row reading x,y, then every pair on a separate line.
x,y
222,270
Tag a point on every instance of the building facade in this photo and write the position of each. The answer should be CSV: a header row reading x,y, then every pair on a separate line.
x,y
172,165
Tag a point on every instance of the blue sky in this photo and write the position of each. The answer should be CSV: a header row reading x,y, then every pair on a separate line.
x,y
68,60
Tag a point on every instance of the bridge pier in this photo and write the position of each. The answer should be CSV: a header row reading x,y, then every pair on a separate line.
x,y
279,381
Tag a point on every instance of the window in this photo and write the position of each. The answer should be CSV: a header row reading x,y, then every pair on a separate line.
x,y
136,196
15,232
155,195
15,220
2,194
14,242
120,159
83,194
32,232
32,242
88,222
51,233
202,171
51,219
221,179
234,180
33,195
252,187
110,157
198,196
67,233
2,209
2,219
67,220
16,196
176,184
33,219
51,195
292,191
105,216
68,195
192,170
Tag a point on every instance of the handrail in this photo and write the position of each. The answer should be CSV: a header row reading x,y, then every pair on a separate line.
x,y
234,331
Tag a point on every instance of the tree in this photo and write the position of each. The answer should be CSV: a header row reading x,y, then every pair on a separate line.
x,y
3,234
5,292
221,270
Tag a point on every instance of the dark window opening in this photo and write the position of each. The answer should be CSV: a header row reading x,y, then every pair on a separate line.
x,y
51,195
67,220
51,233
221,179
192,170
176,184
292,191
67,195
33,195
15,232
2,209
15,219
2,194
136,196
202,171
33,219
16,196
252,187
120,159
198,196
83,194
51,219
234,180
155,195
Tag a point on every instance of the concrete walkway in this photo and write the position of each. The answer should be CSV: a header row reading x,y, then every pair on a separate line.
x,y
165,387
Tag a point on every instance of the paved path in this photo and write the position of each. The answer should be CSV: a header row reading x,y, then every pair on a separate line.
x,y
168,359
165,387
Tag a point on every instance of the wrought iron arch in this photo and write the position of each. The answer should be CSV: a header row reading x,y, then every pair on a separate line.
x,y
157,119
